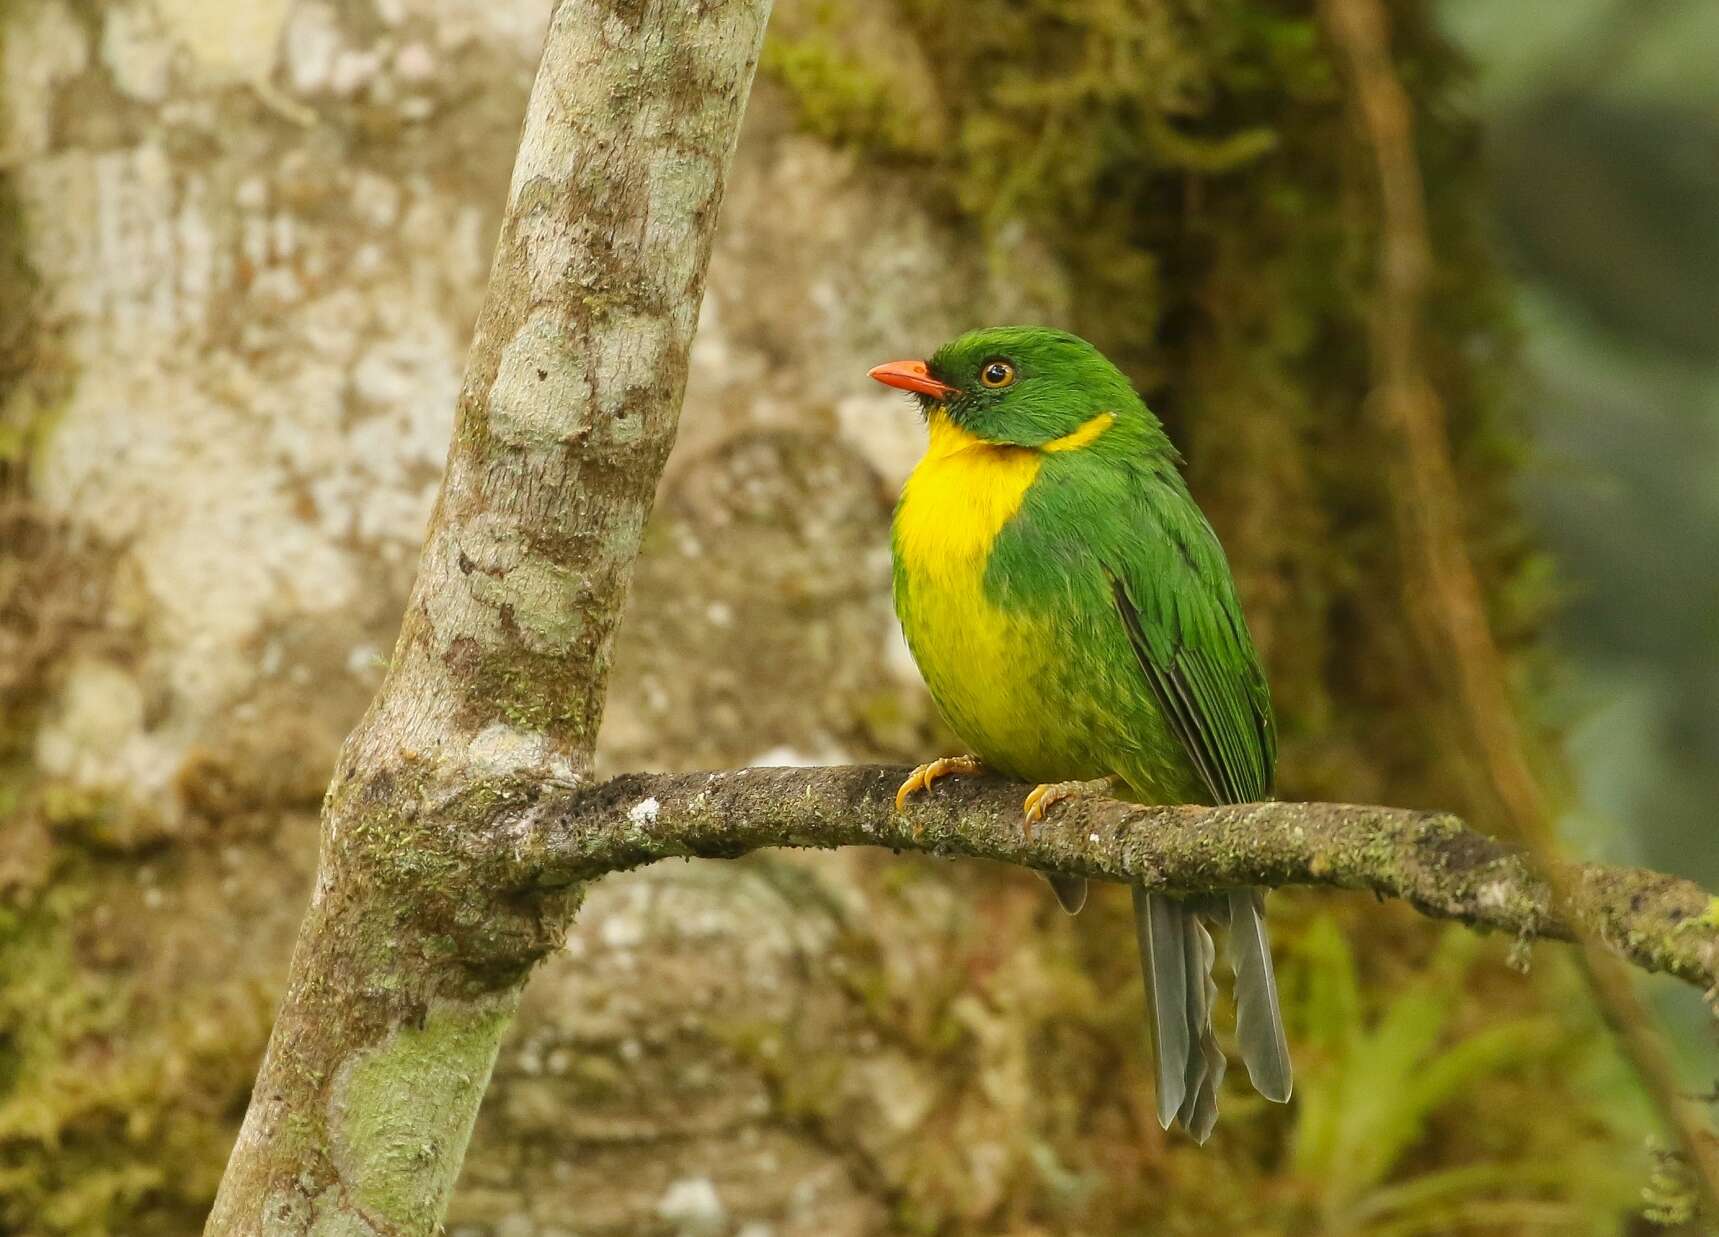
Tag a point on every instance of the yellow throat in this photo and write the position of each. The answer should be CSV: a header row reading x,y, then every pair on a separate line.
x,y
964,490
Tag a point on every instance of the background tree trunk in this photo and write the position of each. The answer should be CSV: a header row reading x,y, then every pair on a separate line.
x,y
242,252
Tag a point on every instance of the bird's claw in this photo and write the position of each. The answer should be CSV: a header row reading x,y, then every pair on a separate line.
x,y
1042,798
922,777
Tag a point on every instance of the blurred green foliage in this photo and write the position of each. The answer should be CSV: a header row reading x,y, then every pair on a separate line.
x,y
1375,1084
1605,160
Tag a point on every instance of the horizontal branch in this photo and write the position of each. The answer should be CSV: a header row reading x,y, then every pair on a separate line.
x,y
1430,860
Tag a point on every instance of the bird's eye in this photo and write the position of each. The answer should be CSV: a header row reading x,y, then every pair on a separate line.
x,y
996,374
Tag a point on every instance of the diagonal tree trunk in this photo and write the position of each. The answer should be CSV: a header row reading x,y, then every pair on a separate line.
x,y
411,958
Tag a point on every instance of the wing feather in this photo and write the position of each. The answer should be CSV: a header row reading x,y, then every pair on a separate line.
x,y
1185,627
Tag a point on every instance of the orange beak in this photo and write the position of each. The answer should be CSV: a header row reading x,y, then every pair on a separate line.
x,y
912,376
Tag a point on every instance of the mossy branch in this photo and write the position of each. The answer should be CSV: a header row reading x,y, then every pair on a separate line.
x,y
1430,860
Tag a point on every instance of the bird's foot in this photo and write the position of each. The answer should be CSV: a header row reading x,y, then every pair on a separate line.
x,y
1047,795
944,766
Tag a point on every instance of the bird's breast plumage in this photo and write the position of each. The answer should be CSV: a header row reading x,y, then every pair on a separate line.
x,y
954,505
1010,679
957,500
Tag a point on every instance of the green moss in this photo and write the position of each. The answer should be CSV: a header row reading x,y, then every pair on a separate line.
x,y
18,289
86,1145
842,99
403,1112
530,691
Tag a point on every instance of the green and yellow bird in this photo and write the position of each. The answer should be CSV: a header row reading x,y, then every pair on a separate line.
x,y
1074,617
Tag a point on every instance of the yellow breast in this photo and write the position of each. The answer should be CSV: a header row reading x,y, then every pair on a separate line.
x,y
953,507
957,501
982,664
962,493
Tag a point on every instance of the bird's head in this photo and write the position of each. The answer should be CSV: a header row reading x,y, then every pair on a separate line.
x,y
1021,385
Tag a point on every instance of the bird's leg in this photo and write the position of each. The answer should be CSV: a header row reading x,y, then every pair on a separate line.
x,y
1047,795
944,766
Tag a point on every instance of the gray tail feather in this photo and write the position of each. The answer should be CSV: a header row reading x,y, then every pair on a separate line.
x,y
1158,926
1176,956
1070,891
1206,1064
1259,1021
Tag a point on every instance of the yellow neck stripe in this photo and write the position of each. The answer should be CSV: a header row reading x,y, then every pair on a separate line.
x,y
1087,432
947,438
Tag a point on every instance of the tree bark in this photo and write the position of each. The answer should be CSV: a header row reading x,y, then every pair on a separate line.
x,y
413,953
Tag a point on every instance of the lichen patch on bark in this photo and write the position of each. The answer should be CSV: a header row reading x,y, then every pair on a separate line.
x,y
542,391
400,1113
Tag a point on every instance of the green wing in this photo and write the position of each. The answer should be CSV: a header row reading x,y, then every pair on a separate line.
x,y
1178,604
